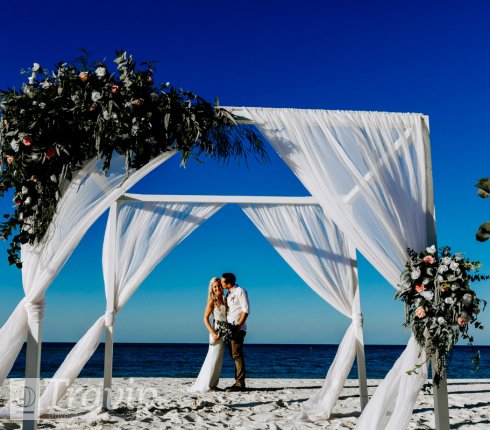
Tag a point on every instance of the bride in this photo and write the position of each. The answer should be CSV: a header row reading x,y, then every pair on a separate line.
x,y
210,372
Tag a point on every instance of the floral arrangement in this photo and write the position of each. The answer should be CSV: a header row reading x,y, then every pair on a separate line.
x,y
483,186
440,305
224,330
61,119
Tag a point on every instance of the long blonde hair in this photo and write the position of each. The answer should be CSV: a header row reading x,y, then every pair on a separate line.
x,y
211,295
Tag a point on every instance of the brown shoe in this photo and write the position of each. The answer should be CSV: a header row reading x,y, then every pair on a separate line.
x,y
237,388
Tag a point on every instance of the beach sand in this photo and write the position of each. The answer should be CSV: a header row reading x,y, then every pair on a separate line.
x,y
165,403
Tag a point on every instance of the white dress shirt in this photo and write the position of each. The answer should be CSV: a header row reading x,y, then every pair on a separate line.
x,y
237,301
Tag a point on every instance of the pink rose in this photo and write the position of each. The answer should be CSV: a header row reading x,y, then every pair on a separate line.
x,y
17,203
10,159
90,108
419,288
462,321
429,259
115,89
149,79
420,312
50,153
83,76
27,140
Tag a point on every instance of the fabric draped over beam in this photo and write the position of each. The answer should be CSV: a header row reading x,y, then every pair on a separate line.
x,y
83,200
368,172
320,254
145,234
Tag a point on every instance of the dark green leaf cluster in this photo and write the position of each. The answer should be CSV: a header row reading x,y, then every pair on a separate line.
x,y
439,302
483,186
62,119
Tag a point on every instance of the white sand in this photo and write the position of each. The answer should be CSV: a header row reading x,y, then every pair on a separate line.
x,y
164,403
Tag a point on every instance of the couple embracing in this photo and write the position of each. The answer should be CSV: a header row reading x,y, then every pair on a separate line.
x,y
229,315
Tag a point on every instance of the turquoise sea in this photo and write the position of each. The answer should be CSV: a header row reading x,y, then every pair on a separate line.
x,y
263,361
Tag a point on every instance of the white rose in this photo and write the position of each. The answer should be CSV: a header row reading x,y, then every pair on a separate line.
x,y
96,96
449,300
45,84
415,273
467,298
14,145
106,115
447,261
428,295
42,105
439,279
453,265
31,80
100,71
431,249
36,67
441,321
455,286
442,268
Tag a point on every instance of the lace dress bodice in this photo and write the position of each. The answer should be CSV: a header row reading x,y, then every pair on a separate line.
x,y
219,313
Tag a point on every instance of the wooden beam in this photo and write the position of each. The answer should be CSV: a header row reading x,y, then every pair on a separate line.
x,y
307,200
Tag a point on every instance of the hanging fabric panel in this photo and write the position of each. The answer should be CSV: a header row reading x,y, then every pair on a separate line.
x,y
368,172
84,199
319,253
145,234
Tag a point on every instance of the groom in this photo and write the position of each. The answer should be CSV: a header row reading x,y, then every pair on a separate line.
x,y
238,310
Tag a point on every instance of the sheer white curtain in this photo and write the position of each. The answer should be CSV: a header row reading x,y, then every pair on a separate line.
x,y
145,233
368,172
83,200
318,251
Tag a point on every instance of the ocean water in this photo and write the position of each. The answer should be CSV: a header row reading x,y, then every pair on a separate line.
x,y
263,361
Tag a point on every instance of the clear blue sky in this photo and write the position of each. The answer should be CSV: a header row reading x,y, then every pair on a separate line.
x,y
429,57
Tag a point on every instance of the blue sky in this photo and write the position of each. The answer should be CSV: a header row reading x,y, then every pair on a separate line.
x,y
428,57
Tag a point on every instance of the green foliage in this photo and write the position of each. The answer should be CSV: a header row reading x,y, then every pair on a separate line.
x,y
439,302
483,186
62,119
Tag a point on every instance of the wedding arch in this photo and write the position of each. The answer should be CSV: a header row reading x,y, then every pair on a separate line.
x,y
369,172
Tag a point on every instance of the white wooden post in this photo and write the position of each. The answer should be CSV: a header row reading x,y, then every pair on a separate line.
x,y
441,404
32,375
108,351
360,356
111,291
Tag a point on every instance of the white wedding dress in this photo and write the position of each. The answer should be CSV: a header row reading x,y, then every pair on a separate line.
x,y
211,369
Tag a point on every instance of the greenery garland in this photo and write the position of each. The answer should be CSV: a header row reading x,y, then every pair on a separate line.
x,y
62,119
439,302
483,186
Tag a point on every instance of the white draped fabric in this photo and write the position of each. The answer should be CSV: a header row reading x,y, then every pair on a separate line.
x,y
144,234
318,251
388,408
83,200
368,172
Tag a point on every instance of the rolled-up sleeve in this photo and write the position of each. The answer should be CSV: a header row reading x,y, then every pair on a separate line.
x,y
243,301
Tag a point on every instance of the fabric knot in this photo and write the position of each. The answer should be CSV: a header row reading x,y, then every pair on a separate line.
x,y
358,318
35,311
109,318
